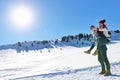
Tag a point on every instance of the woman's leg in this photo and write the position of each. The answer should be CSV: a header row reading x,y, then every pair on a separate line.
x,y
102,50
105,60
101,62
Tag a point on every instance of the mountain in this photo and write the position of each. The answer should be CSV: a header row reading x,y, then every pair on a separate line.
x,y
70,40
79,40
61,61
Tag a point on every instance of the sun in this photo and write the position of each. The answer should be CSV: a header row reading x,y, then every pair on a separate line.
x,y
22,17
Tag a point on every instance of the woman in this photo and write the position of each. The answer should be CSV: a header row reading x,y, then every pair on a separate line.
x,y
102,28
103,38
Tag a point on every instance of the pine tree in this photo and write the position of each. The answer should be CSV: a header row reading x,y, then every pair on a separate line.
x,y
82,43
67,39
64,38
32,45
19,44
71,37
109,32
56,41
84,36
80,36
44,42
117,31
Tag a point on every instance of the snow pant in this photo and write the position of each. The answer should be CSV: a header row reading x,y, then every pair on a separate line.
x,y
92,46
102,54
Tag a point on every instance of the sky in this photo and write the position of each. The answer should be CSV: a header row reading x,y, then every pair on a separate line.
x,y
56,18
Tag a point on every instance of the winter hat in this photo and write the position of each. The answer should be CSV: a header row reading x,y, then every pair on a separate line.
x,y
102,21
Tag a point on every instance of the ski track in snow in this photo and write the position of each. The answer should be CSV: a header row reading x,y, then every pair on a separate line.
x,y
90,73
67,64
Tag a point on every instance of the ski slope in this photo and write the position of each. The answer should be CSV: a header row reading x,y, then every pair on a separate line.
x,y
66,63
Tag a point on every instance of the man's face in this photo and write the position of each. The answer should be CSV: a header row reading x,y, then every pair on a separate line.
x,y
92,28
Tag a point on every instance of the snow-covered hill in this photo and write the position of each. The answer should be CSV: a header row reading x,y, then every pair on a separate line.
x,y
115,36
60,62
80,40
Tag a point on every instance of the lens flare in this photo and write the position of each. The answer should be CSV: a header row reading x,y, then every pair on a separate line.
x,y
22,17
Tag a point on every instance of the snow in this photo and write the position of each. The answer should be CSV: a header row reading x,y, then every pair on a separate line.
x,y
61,63
90,73
27,46
115,36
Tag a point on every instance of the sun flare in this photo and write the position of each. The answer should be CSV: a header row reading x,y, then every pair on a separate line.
x,y
22,17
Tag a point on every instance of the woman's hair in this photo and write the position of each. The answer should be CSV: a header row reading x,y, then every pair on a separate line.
x,y
104,26
103,22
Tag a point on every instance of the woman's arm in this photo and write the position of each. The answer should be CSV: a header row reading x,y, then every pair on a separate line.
x,y
105,32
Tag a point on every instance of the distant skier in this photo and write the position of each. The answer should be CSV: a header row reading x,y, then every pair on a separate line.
x,y
103,38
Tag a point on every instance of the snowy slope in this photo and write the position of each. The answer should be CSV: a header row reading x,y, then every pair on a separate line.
x,y
74,41
51,44
115,36
70,63
90,73
64,61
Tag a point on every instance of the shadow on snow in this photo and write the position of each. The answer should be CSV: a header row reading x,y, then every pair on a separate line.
x,y
66,72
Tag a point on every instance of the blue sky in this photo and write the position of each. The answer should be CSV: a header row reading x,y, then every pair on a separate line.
x,y
56,18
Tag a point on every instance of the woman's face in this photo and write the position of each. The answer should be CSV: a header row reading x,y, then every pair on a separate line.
x,y
100,25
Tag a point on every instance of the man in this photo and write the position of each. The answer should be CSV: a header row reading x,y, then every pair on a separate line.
x,y
94,40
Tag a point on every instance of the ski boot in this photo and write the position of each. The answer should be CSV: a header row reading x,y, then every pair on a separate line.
x,y
88,51
107,73
102,72
95,53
